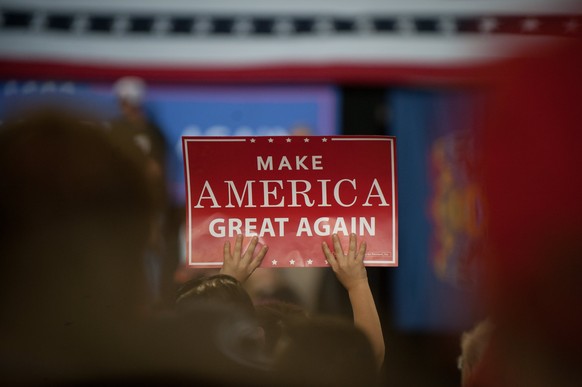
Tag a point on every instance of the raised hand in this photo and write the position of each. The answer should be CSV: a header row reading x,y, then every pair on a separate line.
x,y
349,268
241,265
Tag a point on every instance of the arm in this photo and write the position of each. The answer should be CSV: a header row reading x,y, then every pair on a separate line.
x,y
241,265
351,272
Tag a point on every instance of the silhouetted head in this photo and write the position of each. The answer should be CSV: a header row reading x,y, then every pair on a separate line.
x,y
218,288
75,216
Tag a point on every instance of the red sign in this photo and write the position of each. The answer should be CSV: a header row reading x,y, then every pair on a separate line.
x,y
293,193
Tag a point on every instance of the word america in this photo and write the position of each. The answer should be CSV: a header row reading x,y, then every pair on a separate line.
x,y
292,190
298,190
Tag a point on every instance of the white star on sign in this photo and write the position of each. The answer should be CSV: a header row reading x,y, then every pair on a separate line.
x,y
310,261
306,140
288,139
292,262
253,140
270,140
327,263
274,262
324,139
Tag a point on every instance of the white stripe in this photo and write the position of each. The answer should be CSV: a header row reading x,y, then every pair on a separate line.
x,y
361,139
221,52
189,205
394,252
392,261
215,140
269,7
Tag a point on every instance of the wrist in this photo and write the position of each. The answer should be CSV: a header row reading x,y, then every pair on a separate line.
x,y
240,277
358,285
227,271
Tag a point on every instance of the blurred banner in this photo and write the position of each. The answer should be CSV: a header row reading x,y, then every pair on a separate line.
x,y
440,215
193,110
271,41
240,111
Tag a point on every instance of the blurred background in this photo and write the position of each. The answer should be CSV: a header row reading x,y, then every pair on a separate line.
x,y
417,70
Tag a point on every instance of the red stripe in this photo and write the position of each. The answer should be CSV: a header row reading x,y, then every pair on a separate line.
x,y
334,73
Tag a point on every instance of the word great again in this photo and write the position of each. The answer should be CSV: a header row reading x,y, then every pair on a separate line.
x,y
277,227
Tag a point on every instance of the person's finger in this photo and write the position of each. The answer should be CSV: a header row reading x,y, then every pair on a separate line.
x,y
352,246
226,252
251,249
361,252
328,255
339,252
238,246
258,259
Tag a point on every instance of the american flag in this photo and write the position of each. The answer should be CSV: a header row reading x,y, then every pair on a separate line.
x,y
265,41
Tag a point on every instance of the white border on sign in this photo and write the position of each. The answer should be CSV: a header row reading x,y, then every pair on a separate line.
x,y
186,140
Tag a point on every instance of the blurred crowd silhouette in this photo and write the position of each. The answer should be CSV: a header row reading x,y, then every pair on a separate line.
x,y
82,214
79,211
